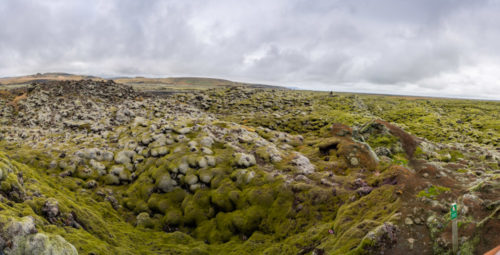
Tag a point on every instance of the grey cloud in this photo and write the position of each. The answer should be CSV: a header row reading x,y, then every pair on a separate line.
x,y
412,47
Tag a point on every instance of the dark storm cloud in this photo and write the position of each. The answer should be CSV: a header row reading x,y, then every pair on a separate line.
x,y
426,47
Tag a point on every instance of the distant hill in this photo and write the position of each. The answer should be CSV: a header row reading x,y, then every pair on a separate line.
x,y
44,77
138,82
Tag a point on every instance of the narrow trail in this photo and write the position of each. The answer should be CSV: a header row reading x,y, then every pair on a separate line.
x,y
415,237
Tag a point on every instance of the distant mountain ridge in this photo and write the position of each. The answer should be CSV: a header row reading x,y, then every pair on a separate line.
x,y
138,80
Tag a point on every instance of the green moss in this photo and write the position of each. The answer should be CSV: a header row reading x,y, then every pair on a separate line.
x,y
280,215
173,217
197,208
450,155
247,221
432,191
382,141
260,196
220,124
418,152
260,216
225,196
262,153
400,159
144,221
363,217
225,225
469,246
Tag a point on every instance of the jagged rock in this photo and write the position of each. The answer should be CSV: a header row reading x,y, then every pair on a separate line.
x,y
113,201
124,157
359,183
166,184
53,164
192,161
90,153
302,164
338,129
191,179
23,238
383,151
244,160
120,172
111,179
202,162
411,241
363,191
160,140
207,141
146,140
183,131
140,121
270,153
192,144
244,176
183,167
206,175
408,221
143,219
124,115
106,156
51,209
23,227
382,238
207,151
98,166
159,151
45,244
326,182
417,221
211,161
85,172
354,161
246,137
91,184
302,178
194,187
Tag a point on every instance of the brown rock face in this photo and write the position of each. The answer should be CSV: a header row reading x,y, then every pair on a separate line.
x,y
355,153
408,141
341,130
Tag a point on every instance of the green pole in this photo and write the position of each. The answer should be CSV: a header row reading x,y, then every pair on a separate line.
x,y
454,227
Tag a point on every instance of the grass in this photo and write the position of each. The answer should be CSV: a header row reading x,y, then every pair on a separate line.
x,y
432,191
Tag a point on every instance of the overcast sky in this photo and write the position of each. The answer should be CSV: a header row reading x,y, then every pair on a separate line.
x,y
419,47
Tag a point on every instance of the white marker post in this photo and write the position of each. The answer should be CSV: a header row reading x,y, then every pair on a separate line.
x,y
454,227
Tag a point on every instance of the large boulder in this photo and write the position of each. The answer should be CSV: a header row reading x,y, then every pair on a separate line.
x,y
23,227
22,237
302,164
207,141
159,151
355,153
121,173
165,183
124,157
44,244
140,121
90,153
269,153
51,209
244,160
